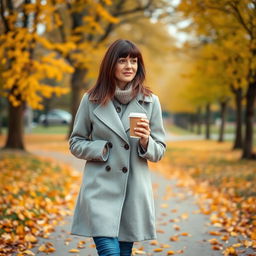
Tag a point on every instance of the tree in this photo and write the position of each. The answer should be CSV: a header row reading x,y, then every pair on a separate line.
x,y
91,32
216,17
23,73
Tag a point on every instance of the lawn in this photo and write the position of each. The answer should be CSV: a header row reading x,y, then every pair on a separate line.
x,y
40,129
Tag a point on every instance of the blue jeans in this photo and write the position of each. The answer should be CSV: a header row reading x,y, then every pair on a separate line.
x,y
110,246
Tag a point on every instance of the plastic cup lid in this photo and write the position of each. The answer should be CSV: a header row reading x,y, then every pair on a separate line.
x,y
142,115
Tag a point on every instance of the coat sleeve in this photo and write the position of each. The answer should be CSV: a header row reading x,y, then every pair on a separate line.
x,y
156,144
80,143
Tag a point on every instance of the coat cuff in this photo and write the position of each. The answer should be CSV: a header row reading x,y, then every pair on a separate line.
x,y
146,153
91,152
98,149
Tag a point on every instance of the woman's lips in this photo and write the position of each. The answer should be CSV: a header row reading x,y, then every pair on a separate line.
x,y
127,73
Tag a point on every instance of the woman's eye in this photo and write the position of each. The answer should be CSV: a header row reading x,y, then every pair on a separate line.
x,y
121,61
134,61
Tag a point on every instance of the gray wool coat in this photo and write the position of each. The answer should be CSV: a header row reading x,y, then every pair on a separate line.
x,y
116,197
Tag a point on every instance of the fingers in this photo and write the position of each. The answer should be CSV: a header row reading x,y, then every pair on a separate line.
x,y
142,135
142,131
144,123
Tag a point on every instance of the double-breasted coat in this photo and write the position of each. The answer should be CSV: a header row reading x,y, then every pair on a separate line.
x,y
116,197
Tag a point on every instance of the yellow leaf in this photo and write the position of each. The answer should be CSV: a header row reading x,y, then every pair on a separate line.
x,y
28,252
42,248
140,252
154,242
165,245
158,250
174,238
214,233
73,250
30,238
184,234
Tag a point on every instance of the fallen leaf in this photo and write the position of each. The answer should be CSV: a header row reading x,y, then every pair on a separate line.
x,y
158,250
73,250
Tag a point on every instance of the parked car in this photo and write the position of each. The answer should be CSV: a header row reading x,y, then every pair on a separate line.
x,y
55,117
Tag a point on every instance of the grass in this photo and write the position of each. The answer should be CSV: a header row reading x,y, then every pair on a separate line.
x,y
229,129
58,129
40,129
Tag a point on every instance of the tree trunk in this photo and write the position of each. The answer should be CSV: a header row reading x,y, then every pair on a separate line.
x,y
249,111
199,121
238,143
77,86
191,122
223,109
15,138
207,120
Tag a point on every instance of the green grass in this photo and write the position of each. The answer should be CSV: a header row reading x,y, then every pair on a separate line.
x,y
40,129
60,129
229,128
177,130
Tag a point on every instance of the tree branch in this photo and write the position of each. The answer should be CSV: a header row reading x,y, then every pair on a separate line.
x,y
61,27
240,18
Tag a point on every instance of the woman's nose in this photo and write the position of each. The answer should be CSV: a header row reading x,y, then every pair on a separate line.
x,y
129,65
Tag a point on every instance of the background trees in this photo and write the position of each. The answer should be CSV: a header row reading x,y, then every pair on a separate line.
x,y
55,47
43,40
229,27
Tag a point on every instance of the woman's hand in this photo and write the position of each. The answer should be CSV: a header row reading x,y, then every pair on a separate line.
x,y
143,131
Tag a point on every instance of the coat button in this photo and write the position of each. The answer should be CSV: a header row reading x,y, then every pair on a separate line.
x,y
108,168
118,109
110,144
124,170
126,146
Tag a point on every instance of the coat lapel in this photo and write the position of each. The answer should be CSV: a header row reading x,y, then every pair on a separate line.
x,y
108,115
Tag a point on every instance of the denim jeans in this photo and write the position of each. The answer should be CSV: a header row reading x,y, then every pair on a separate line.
x,y
110,246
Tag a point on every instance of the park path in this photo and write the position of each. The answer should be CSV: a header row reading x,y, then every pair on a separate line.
x,y
175,208
177,213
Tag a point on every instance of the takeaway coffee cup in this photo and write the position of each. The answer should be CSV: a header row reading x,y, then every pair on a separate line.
x,y
134,118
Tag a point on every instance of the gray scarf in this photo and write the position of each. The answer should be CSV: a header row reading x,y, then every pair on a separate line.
x,y
124,96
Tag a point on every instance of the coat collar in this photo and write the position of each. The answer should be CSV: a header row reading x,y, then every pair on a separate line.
x,y
140,96
108,115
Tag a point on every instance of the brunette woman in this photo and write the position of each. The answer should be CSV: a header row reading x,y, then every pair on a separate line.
x,y
115,203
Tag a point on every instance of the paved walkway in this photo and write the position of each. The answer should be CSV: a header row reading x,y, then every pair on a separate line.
x,y
176,213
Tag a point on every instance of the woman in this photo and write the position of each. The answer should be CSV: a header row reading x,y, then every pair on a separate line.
x,y
115,203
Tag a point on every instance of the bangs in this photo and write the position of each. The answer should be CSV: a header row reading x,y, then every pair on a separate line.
x,y
129,50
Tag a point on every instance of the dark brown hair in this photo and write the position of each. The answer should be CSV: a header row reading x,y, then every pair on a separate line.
x,y
105,86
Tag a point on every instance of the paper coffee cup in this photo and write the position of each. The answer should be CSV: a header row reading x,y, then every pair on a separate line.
x,y
134,118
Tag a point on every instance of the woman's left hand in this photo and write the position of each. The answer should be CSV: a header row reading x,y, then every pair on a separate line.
x,y
143,131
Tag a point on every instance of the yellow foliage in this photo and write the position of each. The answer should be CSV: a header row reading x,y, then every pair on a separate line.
x,y
24,70
102,12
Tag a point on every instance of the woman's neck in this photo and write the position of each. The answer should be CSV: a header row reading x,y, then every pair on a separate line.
x,y
121,85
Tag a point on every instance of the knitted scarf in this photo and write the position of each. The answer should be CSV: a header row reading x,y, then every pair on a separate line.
x,y
124,96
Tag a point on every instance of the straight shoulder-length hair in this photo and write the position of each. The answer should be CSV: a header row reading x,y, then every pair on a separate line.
x,y
105,86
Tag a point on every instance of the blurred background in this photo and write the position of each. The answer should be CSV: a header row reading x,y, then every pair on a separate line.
x,y
200,60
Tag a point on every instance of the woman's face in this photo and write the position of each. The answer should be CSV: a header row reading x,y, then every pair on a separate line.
x,y
125,71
